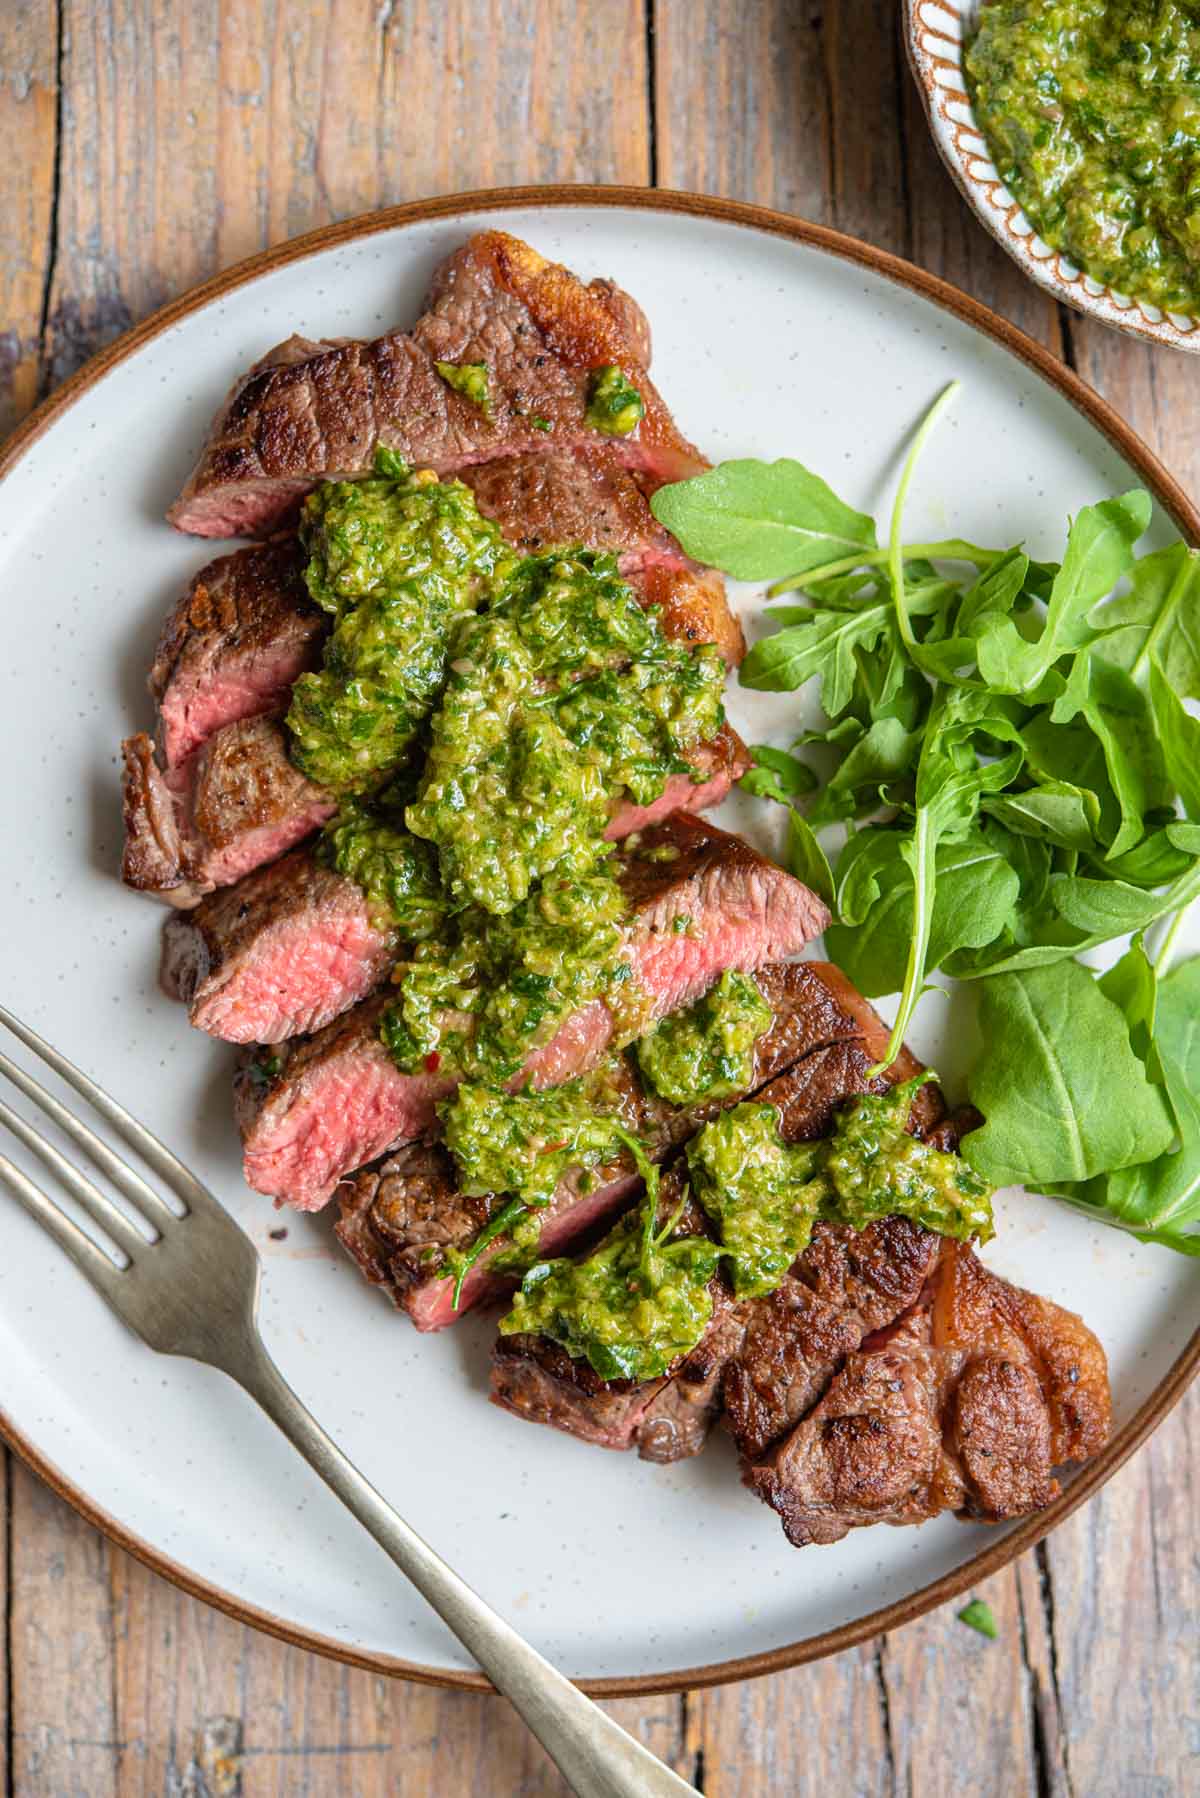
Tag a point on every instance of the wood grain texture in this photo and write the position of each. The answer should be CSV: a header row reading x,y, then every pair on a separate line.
x,y
196,131
28,119
193,132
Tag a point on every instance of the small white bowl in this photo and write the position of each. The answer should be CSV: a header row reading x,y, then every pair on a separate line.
x,y
935,32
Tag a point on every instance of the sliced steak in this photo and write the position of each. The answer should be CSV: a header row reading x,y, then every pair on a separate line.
x,y
231,648
232,806
294,944
539,330
969,1405
666,1418
557,500
769,1358
313,1125
282,952
399,1218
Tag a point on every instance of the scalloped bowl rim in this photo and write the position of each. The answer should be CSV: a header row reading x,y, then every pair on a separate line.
x,y
934,36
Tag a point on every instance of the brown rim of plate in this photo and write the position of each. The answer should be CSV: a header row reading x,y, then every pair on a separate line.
x,y
1169,494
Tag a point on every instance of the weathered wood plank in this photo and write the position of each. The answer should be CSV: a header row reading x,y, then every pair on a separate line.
x,y
62,1643
193,135
28,108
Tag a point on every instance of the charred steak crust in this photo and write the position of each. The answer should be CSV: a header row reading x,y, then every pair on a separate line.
x,y
538,328
235,804
969,1405
770,1359
399,1217
232,645
743,912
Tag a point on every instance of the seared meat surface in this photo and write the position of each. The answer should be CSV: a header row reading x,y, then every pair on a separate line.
x,y
400,1217
969,1406
776,1353
233,805
233,645
340,1100
540,331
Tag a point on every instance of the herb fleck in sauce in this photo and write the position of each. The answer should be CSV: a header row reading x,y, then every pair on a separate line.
x,y
707,1050
395,559
471,380
614,404
1091,109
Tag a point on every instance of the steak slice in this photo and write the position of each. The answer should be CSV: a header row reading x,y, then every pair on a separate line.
x,y
771,1356
340,1101
399,1218
969,1405
294,944
282,952
232,646
555,500
539,330
236,803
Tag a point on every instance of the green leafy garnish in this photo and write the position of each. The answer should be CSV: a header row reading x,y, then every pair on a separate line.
x,y
979,1616
1008,748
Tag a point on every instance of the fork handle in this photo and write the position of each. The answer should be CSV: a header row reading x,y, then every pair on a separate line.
x,y
594,1754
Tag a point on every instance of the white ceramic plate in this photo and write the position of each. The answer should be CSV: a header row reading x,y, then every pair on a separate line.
x,y
772,338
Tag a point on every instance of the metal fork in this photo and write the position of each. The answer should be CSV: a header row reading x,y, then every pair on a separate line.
x,y
193,1291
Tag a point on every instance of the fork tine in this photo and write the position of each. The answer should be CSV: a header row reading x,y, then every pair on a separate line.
x,y
156,1154
97,1205
88,1257
124,1178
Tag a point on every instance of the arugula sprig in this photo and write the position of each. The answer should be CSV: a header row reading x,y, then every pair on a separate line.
x,y
1010,755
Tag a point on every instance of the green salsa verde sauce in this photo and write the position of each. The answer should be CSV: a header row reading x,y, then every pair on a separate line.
x,y
624,1308
397,871
707,1050
471,380
560,696
395,559
477,999
615,406
631,1307
1091,109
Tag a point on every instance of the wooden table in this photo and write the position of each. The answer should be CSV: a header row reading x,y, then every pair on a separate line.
x,y
148,143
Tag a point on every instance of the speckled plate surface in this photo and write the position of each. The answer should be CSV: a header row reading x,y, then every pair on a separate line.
x,y
935,32
771,338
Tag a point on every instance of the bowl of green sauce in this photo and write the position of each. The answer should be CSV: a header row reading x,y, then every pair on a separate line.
x,y
1073,129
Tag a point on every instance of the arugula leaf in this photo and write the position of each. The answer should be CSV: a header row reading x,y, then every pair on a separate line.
x,y
760,520
1064,1095
1055,811
1099,552
776,774
1115,709
1179,735
974,894
1159,1199
1159,619
822,644
1156,859
1132,983
882,755
806,859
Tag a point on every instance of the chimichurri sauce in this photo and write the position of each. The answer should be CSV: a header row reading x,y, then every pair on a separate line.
x,y
395,559
561,695
524,1142
707,1050
623,1311
397,871
1091,109
631,1308
480,997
